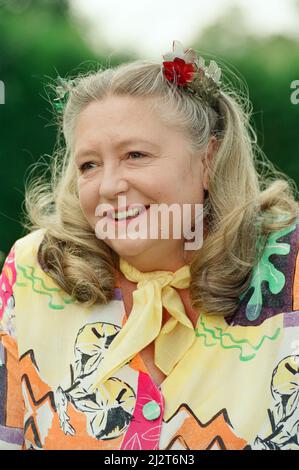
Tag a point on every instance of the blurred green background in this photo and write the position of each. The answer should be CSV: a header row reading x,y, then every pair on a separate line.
x,y
42,40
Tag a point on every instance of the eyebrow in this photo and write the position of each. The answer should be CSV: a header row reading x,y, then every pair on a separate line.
x,y
122,144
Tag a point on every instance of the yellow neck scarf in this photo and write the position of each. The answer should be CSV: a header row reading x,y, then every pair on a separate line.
x,y
154,290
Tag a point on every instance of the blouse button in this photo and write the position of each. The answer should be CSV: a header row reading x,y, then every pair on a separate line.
x,y
151,410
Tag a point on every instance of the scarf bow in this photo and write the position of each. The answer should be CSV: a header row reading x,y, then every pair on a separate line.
x,y
155,290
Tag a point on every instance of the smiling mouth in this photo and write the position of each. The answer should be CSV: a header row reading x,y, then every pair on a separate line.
x,y
129,214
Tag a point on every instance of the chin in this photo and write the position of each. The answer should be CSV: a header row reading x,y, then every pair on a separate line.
x,y
128,247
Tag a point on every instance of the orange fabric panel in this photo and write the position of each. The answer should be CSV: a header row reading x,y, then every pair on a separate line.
x,y
14,400
39,393
194,435
57,440
138,364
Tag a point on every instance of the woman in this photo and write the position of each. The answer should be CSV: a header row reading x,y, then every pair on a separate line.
x,y
119,342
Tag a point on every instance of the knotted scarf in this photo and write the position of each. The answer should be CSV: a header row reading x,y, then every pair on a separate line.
x,y
155,290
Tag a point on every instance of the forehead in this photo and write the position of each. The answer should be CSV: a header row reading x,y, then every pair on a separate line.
x,y
122,120
120,111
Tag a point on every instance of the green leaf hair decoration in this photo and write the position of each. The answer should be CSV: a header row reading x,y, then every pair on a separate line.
x,y
63,89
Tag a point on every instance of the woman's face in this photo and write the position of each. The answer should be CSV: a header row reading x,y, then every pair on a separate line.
x,y
126,150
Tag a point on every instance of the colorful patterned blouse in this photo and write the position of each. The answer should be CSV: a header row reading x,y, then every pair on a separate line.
x,y
237,387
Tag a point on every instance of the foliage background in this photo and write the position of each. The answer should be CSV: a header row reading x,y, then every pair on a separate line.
x,y
41,39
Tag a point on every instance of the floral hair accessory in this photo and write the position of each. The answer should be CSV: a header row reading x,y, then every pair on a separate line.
x,y
187,70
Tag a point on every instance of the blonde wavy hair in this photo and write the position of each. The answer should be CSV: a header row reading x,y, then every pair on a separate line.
x,y
245,201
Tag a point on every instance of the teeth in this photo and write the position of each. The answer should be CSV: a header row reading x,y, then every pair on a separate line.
x,y
124,214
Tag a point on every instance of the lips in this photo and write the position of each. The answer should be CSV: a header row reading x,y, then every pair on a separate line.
x,y
105,210
112,212
128,215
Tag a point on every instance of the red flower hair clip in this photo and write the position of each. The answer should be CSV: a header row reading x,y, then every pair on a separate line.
x,y
184,68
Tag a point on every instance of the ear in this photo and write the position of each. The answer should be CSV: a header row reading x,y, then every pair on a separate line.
x,y
213,146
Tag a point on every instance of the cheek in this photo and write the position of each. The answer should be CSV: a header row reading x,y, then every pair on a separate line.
x,y
88,197
165,182
176,185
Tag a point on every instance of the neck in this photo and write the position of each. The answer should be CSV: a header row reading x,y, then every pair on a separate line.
x,y
128,287
145,263
150,266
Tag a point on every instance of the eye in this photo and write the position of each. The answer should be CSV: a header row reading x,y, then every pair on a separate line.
x,y
137,153
85,166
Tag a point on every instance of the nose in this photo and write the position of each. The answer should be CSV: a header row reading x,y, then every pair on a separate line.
x,y
113,182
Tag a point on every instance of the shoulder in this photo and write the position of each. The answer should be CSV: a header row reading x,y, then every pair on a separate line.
x,y
28,245
22,253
